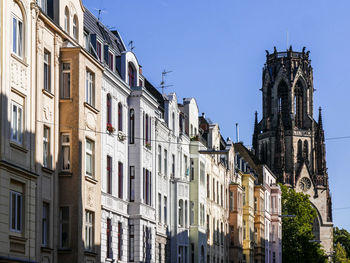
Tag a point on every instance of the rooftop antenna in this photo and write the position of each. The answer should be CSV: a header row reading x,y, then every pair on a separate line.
x,y
287,39
162,84
131,45
99,12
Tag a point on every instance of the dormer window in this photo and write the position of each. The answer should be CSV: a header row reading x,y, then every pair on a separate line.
x,y
99,50
75,27
110,60
131,75
66,20
46,7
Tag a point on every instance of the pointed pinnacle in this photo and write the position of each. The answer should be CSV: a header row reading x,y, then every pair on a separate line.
x,y
320,124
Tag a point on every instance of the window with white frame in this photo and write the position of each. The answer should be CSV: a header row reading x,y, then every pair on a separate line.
x,y
159,159
65,89
89,230
165,162
180,214
16,211
17,31
46,147
47,71
90,89
110,60
165,210
45,224
89,160
17,123
75,27
64,227
159,207
65,151
66,20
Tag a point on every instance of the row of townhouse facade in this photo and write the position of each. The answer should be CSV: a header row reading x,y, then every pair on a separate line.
x,y
96,165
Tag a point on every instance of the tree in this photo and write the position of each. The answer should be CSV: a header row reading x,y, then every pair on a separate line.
x,y
340,254
343,237
297,236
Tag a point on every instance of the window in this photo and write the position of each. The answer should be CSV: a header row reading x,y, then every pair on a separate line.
x,y
65,92
173,166
17,123
165,210
16,211
89,165
43,5
181,210
17,32
132,127
173,122
186,214
192,170
131,243
46,147
109,238
231,202
45,224
66,20
192,213
202,174
99,50
165,162
109,109
90,89
131,75
185,165
159,207
109,175
75,27
110,60
208,186
64,227
159,159
47,71
120,180
132,183
120,234
89,230
86,40
120,117
65,152
147,186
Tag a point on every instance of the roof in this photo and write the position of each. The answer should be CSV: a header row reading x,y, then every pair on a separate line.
x,y
250,158
111,38
155,93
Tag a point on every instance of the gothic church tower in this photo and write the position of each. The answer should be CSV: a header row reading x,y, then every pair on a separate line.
x,y
288,139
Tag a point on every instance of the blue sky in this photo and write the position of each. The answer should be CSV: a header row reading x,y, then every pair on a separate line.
x,y
216,50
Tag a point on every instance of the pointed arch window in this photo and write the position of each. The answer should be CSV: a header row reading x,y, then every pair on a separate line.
x,y
300,147
298,105
283,104
120,117
306,150
109,109
66,19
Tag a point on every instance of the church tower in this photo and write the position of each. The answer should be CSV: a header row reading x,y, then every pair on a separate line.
x,y
288,139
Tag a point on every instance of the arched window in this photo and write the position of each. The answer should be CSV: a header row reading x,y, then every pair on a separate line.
x,y
120,117
316,228
173,122
17,31
131,74
306,151
181,212
66,19
132,127
283,102
75,27
300,150
109,109
298,105
146,129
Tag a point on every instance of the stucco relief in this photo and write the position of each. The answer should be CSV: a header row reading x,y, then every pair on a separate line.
x,y
90,121
47,113
18,74
90,196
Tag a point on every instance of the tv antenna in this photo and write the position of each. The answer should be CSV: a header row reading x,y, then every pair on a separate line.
x,y
99,12
162,84
131,45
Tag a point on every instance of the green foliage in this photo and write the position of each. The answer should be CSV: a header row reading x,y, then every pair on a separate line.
x,y
343,237
297,231
340,254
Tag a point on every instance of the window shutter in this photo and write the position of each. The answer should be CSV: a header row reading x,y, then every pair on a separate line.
x,y
105,53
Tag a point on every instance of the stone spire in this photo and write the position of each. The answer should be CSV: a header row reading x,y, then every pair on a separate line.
x,y
320,146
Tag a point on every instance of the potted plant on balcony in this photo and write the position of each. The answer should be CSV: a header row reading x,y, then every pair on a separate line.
x,y
110,128
148,145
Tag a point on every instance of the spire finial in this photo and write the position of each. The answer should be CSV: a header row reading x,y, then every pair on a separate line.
x,y
320,124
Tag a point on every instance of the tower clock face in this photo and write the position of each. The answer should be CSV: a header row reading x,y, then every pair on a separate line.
x,y
305,184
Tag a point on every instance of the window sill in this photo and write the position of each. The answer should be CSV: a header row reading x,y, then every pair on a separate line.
x,y
47,170
46,249
90,107
65,173
110,260
18,147
19,59
17,238
90,253
90,179
66,100
48,93
64,250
